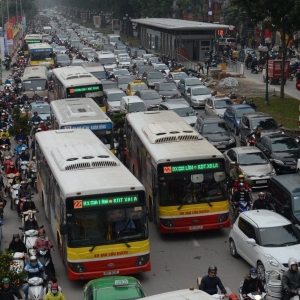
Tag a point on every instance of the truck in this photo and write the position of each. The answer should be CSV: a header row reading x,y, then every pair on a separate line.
x,y
274,71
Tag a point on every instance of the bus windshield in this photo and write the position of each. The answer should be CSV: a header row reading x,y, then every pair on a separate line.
x,y
99,74
41,55
106,226
107,60
35,85
180,190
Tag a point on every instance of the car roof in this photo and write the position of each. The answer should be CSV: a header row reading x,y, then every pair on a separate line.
x,y
240,106
175,104
147,91
211,119
114,91
258,115
265,218
289,181
198,86
277,136
248,149
190,78
214,98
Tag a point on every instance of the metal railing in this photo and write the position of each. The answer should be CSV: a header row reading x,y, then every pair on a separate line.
x,y
187,63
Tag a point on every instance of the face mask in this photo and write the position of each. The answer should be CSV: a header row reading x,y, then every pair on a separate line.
x,y
49,286
54,292
34,264
253,276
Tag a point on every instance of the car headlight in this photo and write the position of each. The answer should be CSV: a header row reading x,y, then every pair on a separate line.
x,y
272,173
232,141
279,162
271,260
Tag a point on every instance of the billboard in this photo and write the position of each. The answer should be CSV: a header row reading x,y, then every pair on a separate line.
x,y
115,25
83,16
97,21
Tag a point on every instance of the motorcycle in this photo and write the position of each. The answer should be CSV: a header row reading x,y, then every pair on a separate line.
x,y
243,206
6,162
15,194
36,288
44,258
253,295
29,238
251,141
23,169
35,127
18,263
33,179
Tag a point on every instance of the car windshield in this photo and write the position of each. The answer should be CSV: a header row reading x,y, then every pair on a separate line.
x,y
121,72
265,124
115,97
285,144
242,111
60,48
108,60
76,63
139,87
136,107
256,158
223,103
168,87
124,80
154,59
180,190
63,58
200,91
124,59
178,76
156,75
192,82
161,67
279,236
112,85
211,128
150,96
99,74
90,227
35,85
114,39
184,111
43,109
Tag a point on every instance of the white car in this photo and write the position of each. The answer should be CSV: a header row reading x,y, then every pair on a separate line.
x,y
162,68
265,239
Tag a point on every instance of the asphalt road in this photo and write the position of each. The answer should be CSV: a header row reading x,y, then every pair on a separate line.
x,y
177,259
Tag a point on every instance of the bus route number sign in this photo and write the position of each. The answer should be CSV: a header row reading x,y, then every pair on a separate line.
x,y
191,167
84,89
77,204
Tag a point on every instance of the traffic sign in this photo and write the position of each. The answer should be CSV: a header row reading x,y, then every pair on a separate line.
x,y
298,84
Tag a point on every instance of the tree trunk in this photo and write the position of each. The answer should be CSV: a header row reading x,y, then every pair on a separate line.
x,y
284,50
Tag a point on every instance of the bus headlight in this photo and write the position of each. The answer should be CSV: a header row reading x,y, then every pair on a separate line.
x,y
167,222
222,217
142,260
77,267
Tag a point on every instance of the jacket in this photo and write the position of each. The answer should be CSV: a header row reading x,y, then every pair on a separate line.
x,y
58,296
18,148
17,246
23,192
252,285
261,204
34,271
210,284
238,196
42,243
290,280
8,294
36,119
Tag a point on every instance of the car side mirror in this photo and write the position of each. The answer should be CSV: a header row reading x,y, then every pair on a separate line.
x,y
188,94
63,229
251,242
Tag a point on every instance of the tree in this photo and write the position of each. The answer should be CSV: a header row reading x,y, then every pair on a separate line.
x,y
234,15
21,122
278,15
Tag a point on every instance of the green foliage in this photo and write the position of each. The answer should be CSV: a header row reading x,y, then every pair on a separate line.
x,y
6,260
234,15
21,122
118,120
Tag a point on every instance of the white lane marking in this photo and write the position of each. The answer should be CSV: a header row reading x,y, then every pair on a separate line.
x,y
196,244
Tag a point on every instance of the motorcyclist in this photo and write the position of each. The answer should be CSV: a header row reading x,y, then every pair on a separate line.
x,y
34,269
7,151
252,283
256,133
43,126
9,292
241,179
261,202
252,104
20,136
54,293
211,282
235,172
35,96
43,242
51,280
19,147
243,100
290,279
17,244
240,195
12,169
28,204
31,165
25,97
24,155
35,117
254,64
5,140
30,223
4,133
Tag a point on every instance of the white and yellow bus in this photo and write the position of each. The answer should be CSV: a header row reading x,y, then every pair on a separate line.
x,y
96,208
83,113
31,39
40,53
182,172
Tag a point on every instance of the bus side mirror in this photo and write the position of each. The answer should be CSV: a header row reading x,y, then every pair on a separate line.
x,y
63,229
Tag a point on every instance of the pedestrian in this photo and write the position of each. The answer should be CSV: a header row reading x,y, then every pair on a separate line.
x,y
243,42
200,67
207,63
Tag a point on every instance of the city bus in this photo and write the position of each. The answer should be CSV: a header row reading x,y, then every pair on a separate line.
x,y
35,79
31,39
82,113
182,172
40,53
96,208
76,82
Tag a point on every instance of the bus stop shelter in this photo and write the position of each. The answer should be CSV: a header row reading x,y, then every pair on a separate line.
x,y
167,36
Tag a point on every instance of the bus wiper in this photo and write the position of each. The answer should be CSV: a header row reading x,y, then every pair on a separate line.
x,y
128,246
207,201
179,207
94,246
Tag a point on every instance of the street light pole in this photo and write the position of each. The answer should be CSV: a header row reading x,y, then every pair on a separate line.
x,y
268,43
126,18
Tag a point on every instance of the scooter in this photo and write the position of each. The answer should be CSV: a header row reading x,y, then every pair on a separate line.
x,y
18,263
251,141
29,238
36,288
253,295
243,206
33,179
23,169
44,258
15,194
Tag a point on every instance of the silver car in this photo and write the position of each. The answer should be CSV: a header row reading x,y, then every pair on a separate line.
x,y
176,77
216,105
253,163
197,95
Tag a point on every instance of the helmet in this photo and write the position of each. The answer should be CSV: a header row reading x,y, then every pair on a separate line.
x,y
33,158
16,235
12,164
18,175
253,271
54,286
241,185
5,280
42,233
261,194
35,113
212,268
42,122
23,182
241,177
33,260
292,261
23,148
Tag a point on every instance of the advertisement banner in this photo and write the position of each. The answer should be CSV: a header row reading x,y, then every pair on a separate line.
x,y
97,20
116,25
2,46
83,17
9,32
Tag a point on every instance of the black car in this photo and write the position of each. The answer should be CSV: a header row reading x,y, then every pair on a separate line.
x,y
166,89
62,60
259,119
282,150
216,131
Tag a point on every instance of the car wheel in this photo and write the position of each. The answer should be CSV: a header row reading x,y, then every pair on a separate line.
x,y
232,248
236,131
261,271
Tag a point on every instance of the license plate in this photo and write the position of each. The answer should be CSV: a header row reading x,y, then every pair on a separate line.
x,y
261,181
90,95
293,167
195,227
221,146
108,273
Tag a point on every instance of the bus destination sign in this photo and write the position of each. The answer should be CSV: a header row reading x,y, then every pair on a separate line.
x,y
191,167
105,201
84,89
33,41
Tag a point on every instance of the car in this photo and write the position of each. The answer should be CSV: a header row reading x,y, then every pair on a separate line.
x,y
61,60
176,76
216,105
107,47
150,77
282,150
122,82
113,287
112,99
60,49
116,52
178,98
77,62
255,166
184,83
122,55
197,95
43,109
124,62
244,52
120,72
225,41
265,239
233,114
216,131
136,85
166,89
153,60
162,68
109,84
183,110
146,56
259,119
150,97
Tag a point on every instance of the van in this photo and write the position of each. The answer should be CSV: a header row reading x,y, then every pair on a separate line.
x,y
131,104
95,69
283,194
113,39
107,60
